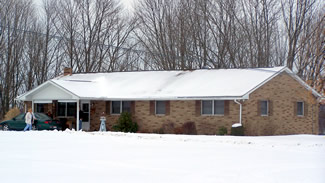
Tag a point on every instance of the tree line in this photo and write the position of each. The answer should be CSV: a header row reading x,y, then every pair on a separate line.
x,y
36,43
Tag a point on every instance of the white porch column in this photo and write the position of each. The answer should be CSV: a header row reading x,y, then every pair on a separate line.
x,y
77,120
32,105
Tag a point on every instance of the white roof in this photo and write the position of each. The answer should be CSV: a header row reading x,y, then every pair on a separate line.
x,y
148,85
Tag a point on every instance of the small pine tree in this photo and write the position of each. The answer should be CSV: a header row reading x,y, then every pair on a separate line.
x,y
125,124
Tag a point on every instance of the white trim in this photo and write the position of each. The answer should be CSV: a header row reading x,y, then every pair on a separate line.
x,y
67,101
77,120
240,113
43,101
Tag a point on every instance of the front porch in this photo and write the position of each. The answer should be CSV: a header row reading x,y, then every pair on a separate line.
x,y
67,111
60,104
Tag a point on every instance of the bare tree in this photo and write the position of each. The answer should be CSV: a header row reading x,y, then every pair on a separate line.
x,y
310,61
15,18
296,15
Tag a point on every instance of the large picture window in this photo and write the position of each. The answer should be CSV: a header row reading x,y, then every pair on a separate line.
x,y
40,108
213,107
121,106
67,109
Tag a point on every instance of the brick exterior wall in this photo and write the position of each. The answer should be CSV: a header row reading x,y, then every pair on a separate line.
x,y
282,91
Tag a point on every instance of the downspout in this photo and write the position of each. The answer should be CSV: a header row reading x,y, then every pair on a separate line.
x,y
77,120
240,110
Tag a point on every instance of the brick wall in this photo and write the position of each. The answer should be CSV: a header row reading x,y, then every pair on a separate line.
x,y
282,91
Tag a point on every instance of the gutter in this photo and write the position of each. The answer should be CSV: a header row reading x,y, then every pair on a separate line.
x,y
240,111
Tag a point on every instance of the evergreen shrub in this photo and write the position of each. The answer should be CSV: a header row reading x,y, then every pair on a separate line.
x,y
125,124
222,131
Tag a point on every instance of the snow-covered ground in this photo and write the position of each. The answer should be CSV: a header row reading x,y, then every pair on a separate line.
x,y
52,156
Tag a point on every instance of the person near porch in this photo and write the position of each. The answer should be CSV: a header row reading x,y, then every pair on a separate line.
x,y
49,113
81,115
102,123
29,119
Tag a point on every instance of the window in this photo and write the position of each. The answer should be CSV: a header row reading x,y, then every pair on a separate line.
x,y
213,107
40,108
264,108
121,106
71,109
160,107
62,109
85,110
126,106
116,107
219,107
207,107
66,109
300,108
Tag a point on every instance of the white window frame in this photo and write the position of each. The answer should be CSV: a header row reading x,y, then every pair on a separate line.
x,y
121,106
156,107
303,108
267,107
213,114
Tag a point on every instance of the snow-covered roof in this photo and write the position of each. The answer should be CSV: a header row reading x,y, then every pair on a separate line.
x,y
148,85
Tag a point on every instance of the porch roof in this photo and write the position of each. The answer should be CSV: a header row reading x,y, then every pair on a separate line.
x,y
163,85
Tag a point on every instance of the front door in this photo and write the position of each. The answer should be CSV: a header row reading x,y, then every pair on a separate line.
x,y
85,107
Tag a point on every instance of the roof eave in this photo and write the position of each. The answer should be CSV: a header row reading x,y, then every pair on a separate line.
x,y
244,97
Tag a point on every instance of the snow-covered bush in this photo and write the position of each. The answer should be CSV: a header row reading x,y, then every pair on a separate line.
x,y
125,124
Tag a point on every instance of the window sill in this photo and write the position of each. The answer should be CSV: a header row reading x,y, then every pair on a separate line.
x,y
215,115
160,114
117,114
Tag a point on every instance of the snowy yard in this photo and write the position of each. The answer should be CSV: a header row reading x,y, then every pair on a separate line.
x,y
69,156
